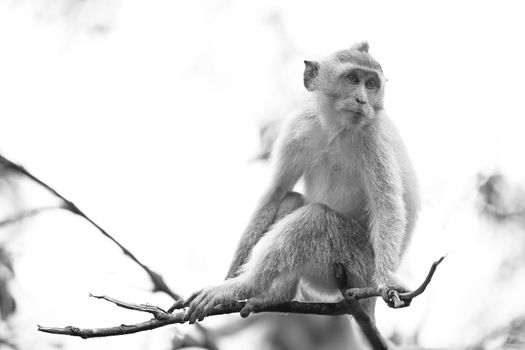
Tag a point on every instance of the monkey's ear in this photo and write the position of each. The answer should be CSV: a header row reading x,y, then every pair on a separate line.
x,y
311,70
362,46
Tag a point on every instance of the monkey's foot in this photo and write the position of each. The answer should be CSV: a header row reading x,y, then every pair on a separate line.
x,y
202,303
389,293
255,304
179,304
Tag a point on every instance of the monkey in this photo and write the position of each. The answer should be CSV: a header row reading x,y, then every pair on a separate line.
x,y
359,205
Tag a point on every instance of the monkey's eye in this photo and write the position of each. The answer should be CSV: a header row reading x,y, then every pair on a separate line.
x,y
371,84
352,78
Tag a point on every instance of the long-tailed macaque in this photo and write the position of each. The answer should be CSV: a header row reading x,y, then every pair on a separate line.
x,y
359,204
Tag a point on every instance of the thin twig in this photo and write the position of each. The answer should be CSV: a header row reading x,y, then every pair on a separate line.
x,y
26,214
400,299
156,311
159,285
423,286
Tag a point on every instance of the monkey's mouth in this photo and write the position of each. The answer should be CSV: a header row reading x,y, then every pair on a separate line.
x,y
355,116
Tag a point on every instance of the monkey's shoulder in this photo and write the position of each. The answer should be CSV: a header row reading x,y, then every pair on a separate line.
x,y
302,130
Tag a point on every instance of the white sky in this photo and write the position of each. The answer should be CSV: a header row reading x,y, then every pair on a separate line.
x,y
145,114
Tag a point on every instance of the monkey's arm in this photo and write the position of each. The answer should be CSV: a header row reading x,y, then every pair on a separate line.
x,y
288,162
388,222
260,222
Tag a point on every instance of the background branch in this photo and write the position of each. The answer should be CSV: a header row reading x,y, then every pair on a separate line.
x,y
26,214
159,285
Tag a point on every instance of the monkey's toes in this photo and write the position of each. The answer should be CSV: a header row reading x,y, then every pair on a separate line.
x,y
200,312
391,297
192,312
253,305
179,304
191,298
246,310
199,307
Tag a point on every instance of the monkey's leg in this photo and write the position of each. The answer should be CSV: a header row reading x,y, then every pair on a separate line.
x,y
343,283
282,289
304,244
305,247
275,207
201,301
291,202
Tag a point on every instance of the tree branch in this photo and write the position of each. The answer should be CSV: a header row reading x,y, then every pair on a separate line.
x,y
163,318
26,214
156,311
350,305
159,285
399,299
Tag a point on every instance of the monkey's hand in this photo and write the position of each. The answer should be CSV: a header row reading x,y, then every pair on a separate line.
x,y
389,290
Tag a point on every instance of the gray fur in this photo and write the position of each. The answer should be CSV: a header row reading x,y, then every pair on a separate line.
x,y
361,46
360,199
358,54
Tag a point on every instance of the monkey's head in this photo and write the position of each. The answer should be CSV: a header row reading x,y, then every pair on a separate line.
x,y
349,85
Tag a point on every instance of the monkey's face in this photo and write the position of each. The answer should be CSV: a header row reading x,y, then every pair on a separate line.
x,y
349,86
349,96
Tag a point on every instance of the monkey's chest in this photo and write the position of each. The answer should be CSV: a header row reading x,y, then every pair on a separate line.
x,y
338,183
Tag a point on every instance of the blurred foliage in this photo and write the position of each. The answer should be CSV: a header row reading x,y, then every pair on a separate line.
x,y
9,202
500,199
268,132
511,337
7,301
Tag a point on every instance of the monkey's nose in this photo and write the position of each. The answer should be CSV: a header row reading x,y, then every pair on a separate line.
x,y
360,101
